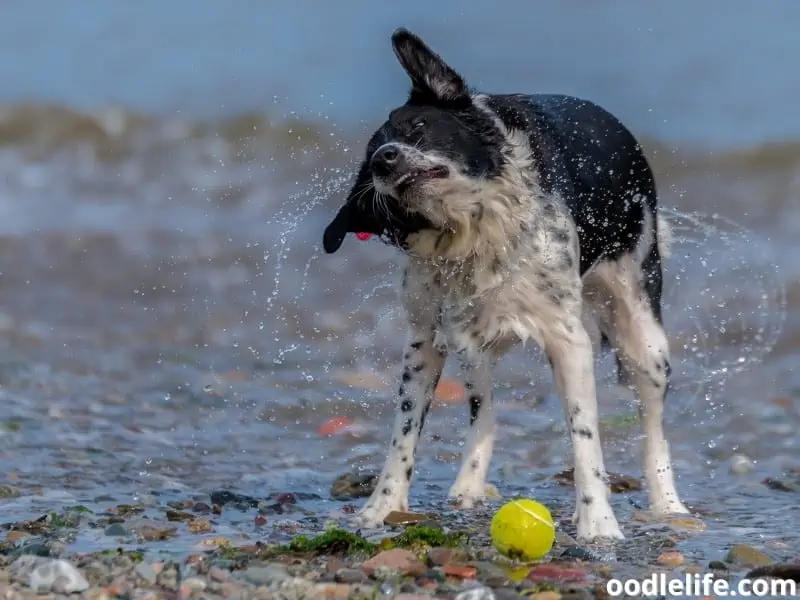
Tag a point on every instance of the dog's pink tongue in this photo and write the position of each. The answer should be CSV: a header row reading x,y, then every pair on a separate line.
x,y
363,236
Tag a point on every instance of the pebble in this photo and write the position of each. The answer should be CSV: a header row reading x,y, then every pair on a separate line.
x,y
741,464
58,575
15,536
265,575
671,559
396,559
8,491
397,517
480,592
460,571
546,595
442,556
747,556
352,485
345,575
116,530
146,572
552,572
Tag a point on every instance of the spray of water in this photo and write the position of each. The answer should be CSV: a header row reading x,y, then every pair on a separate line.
x,y
724,305
724,299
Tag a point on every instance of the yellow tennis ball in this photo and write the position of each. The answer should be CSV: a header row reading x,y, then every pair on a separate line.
x,y
523,529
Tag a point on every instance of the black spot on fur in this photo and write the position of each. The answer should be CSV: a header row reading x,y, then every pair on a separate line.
x,y
404,459
406,375
406,405
387,491
407,427
419,367
425,410
417,345
474,408
394,442
409,473
497,265
406,356
587,500
469,385
474,465
583,432
561,236
401,391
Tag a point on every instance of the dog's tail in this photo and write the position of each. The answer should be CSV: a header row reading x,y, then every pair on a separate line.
x,y
664,236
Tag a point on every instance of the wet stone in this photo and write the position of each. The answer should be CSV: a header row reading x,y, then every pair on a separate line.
x,y
351,486
201,508
116,530
8,491
578,553
397,559
505,593
747,556
397,517
228,498
265,575
789,571
146,572
58,575
441,556
345,575
480,592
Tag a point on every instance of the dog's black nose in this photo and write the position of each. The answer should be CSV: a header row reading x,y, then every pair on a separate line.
x,y
385,160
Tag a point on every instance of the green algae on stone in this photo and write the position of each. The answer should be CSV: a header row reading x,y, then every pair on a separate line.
x,y
134,555
79,508
333,541
128,509
64,519
421,537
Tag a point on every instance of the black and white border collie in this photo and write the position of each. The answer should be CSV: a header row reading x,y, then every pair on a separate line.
x,y
521,217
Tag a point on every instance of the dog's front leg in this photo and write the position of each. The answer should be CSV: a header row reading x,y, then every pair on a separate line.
x,y
469,487
569,350
422,367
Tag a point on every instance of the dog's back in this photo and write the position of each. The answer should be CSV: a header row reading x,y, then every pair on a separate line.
x,y
588,158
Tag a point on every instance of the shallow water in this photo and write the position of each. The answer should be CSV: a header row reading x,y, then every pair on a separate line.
x,y
168,323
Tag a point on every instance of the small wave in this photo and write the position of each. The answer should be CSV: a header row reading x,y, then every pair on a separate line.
x,y
115,132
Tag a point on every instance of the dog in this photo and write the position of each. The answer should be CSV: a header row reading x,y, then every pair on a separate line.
x,y
521,218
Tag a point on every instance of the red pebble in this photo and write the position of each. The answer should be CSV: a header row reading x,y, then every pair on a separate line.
x,y
334,425
363,236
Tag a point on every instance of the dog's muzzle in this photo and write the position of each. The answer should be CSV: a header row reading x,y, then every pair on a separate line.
x,y
388,160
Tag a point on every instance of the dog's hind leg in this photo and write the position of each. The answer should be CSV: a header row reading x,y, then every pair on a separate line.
x,y
422,367
632,289
469,486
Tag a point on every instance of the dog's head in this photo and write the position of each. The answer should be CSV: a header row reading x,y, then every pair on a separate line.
x,y
424,165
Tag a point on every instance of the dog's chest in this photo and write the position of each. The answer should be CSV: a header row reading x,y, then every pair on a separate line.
x,y
471,314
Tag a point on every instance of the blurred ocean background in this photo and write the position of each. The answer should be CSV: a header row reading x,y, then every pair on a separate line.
x,y
166,169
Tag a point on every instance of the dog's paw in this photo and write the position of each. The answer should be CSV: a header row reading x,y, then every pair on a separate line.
x,y
371,516
669,507
466,497
598,523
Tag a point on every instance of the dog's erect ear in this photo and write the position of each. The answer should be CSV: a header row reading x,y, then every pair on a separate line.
x,y
431,77
357,214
